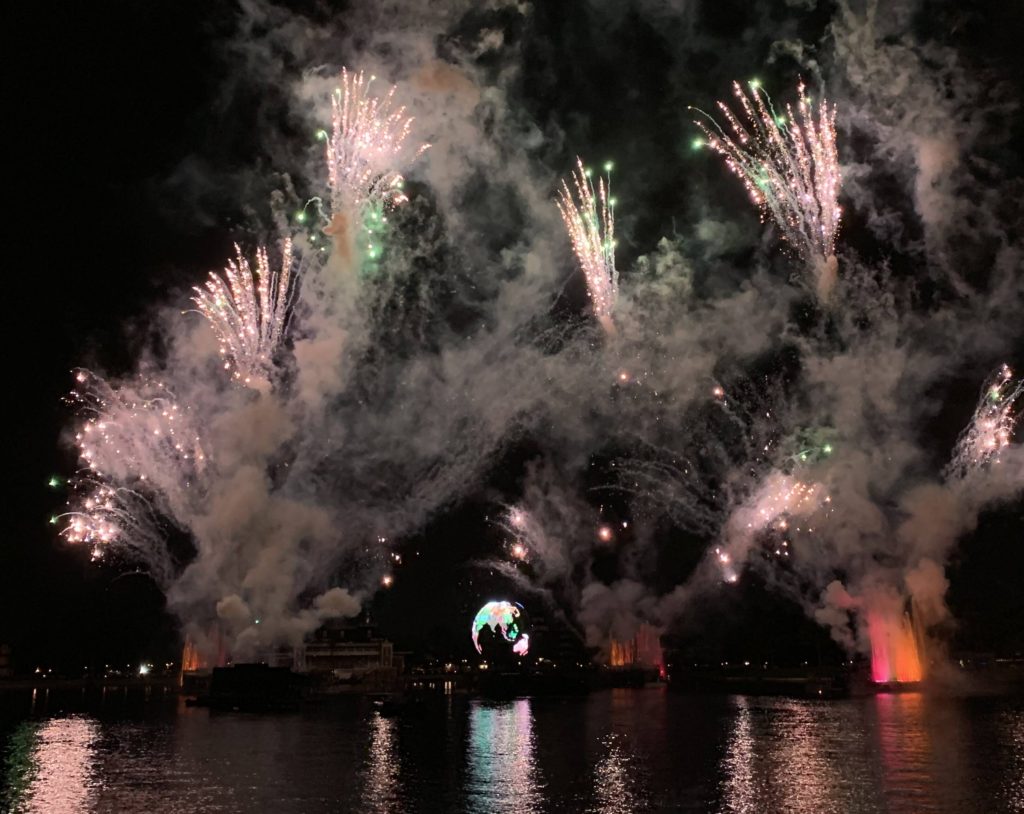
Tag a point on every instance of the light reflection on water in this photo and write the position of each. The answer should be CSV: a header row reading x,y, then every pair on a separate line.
x,y
615,779
608,753
739,784
381,791
56,776
901,753
1011,791
502,774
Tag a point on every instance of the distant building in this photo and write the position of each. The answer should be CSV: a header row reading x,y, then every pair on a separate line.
x,y
339,652
349,651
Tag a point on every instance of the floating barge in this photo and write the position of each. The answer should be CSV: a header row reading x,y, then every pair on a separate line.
x,y
252,688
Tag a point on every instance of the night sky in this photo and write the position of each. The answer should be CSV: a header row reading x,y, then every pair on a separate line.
x,y
150,137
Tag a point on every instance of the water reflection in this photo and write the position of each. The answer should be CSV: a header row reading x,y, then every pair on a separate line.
x,y
49,766
921,742
739,788
795,756
632,751
381,792
904,751
1011,725
502,772
614,779
813,777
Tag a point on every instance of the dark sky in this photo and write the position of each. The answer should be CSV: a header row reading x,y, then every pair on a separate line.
x,y
112,108
108,102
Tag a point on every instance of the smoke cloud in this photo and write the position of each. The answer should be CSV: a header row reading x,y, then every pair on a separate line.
x,y
728,405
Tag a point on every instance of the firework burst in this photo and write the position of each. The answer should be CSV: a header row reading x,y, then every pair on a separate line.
x,y
248,312
991,427
789,166
103,516
589,216
137,447
366,142
781,503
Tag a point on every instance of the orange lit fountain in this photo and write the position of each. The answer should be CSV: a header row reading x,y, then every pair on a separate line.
x,y
195,659
895,651
643,650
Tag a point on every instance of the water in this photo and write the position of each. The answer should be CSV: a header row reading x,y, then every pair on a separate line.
x,y
613,751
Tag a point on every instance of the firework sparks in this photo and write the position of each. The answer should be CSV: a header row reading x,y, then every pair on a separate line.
x,y
365,144
790,168
524,531
991,427
248,312
103,516
782,503
589,218
136,446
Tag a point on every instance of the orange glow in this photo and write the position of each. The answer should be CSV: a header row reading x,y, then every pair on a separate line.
x,y
894,650
643,650
190,657
194,657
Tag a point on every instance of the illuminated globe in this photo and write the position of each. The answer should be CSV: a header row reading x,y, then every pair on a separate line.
x,y
500,627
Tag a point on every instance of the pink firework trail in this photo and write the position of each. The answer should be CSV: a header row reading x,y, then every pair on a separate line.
x,y
365,145
781,501
790,168
248,312
137,448
589,218
991,427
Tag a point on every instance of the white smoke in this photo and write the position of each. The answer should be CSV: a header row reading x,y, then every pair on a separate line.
x,y
397,395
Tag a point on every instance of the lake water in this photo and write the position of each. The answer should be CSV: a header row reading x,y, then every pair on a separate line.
x,y
613,751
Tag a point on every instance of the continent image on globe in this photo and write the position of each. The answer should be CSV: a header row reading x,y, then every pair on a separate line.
x,y
500,630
